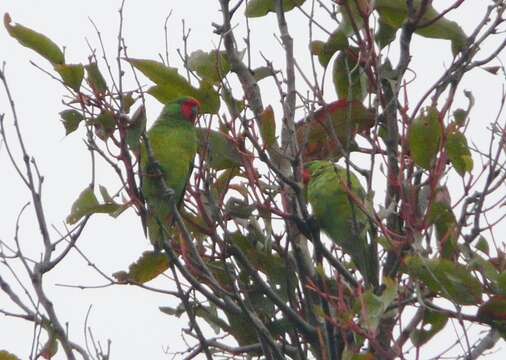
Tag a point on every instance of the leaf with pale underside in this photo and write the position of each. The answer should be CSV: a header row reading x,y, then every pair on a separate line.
x,y
450,280
38,42
424,135
146,268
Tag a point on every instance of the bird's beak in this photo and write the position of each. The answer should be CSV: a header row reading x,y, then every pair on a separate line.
x,y
195,112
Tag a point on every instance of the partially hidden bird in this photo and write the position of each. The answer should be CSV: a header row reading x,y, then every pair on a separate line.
x,y
334,193
173,140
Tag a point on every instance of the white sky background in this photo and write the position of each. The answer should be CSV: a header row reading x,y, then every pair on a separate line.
x,y
126,315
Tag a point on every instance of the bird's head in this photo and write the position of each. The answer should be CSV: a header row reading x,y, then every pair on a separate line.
x,y
315,168
184,108
189,109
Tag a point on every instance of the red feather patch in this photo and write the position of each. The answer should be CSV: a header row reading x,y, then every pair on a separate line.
x,y
190,109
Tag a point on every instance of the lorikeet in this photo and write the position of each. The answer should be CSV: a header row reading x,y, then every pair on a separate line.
x,y
338,215
173,140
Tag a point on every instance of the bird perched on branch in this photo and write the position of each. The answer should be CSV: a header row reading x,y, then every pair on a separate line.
x,y
173,141
334,195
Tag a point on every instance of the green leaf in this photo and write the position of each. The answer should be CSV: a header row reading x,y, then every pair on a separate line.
x,y
493,312
171,85
95,78
450,280
210,315
458,152
336,41
71,119
376,306
83,206
394,13
146,268
219,149
441,215
262,72
213,66
482,245
423,135
436,322
349,75
258,8
460,116
501,283
4,355
207,96
220,186
39,43
87,204
50,348
268,127
136,126
385,34
273,266
279,327
104,124
485,267
158,72
315,134
241,329
128,101
71,74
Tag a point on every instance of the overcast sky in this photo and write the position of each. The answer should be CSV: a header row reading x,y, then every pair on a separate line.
x,y
129,316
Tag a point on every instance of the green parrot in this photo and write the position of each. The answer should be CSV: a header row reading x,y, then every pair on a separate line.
x,y
173,140
338,216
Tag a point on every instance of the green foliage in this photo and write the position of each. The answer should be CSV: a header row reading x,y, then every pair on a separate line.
x,y
4,355
219,149
72,75
87,204
39,43
71,120
385,34
394,13
171,86
373,307
212,66
482,245
262,72
50,348
493,312
460,116
104,124
423,136
258,8
207,313
328,132
432,323
441,215
268,127
95,78
458,152
350,81
452,281
273,266
146,268
136,126
325,50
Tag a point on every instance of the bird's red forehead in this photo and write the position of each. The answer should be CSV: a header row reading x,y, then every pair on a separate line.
x,y
189,109
306,176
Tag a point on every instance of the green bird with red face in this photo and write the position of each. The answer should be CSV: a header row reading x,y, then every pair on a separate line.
x,y
173,140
